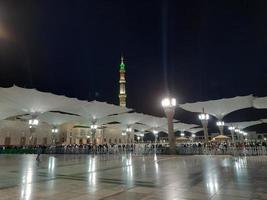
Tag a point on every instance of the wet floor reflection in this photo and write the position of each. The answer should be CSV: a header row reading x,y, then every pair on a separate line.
x,y
151,177
127,169
212,184
211,173
51,166
92,171
156,164
241,170
27,179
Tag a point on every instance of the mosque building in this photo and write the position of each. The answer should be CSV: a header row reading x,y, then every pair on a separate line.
x,y
16,131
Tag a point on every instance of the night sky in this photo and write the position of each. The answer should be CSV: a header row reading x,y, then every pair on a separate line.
x,y
197,50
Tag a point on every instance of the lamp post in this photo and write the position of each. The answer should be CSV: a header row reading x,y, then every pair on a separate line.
x,y
204,118
128,133
232,130
193,136
138,138
142,137
220,124
245,135
156,134
33,123
54,131
123,135
93,130
169,105
237,131
182,134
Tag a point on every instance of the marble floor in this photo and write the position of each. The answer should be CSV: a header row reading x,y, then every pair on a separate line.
x,y
122,177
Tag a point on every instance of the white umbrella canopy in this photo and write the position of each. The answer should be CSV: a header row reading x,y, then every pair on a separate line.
x,y
57,119
105,120
181,126
221,107
94,110
128,118
6,111
139,133
119,126
194,130
154,122
260,102
243,125
32,101
141,127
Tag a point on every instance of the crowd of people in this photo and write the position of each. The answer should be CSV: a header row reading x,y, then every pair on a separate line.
x,y
137,148
189,148
223,147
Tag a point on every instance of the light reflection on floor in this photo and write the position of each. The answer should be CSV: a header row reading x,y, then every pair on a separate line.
x,y
77,177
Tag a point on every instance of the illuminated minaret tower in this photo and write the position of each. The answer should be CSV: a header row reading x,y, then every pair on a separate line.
x,y
122,95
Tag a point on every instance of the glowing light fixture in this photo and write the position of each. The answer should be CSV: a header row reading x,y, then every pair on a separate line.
x,y
168,102
54,130
33,122
220,123
93,126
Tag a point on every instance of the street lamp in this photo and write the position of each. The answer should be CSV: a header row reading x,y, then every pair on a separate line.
x,y
204,118
237,131
123,133
142,136
54,131
128,133
193,136
220,124
33,123
245,135
155,132
93,130
169,105
138,138
232,130
182,134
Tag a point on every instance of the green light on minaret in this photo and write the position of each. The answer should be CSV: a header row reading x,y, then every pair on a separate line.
x,y
122,65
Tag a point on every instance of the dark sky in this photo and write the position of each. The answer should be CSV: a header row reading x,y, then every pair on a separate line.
x,y
200,50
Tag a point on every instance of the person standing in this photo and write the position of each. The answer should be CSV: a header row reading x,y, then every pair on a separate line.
x,y
39,151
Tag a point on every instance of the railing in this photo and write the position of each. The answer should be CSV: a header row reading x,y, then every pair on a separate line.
x,y
139,150
235,151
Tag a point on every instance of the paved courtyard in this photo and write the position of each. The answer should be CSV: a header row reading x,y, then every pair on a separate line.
x,y
79,177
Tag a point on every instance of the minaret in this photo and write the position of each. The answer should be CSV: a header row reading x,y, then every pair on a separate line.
x,y
122,94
